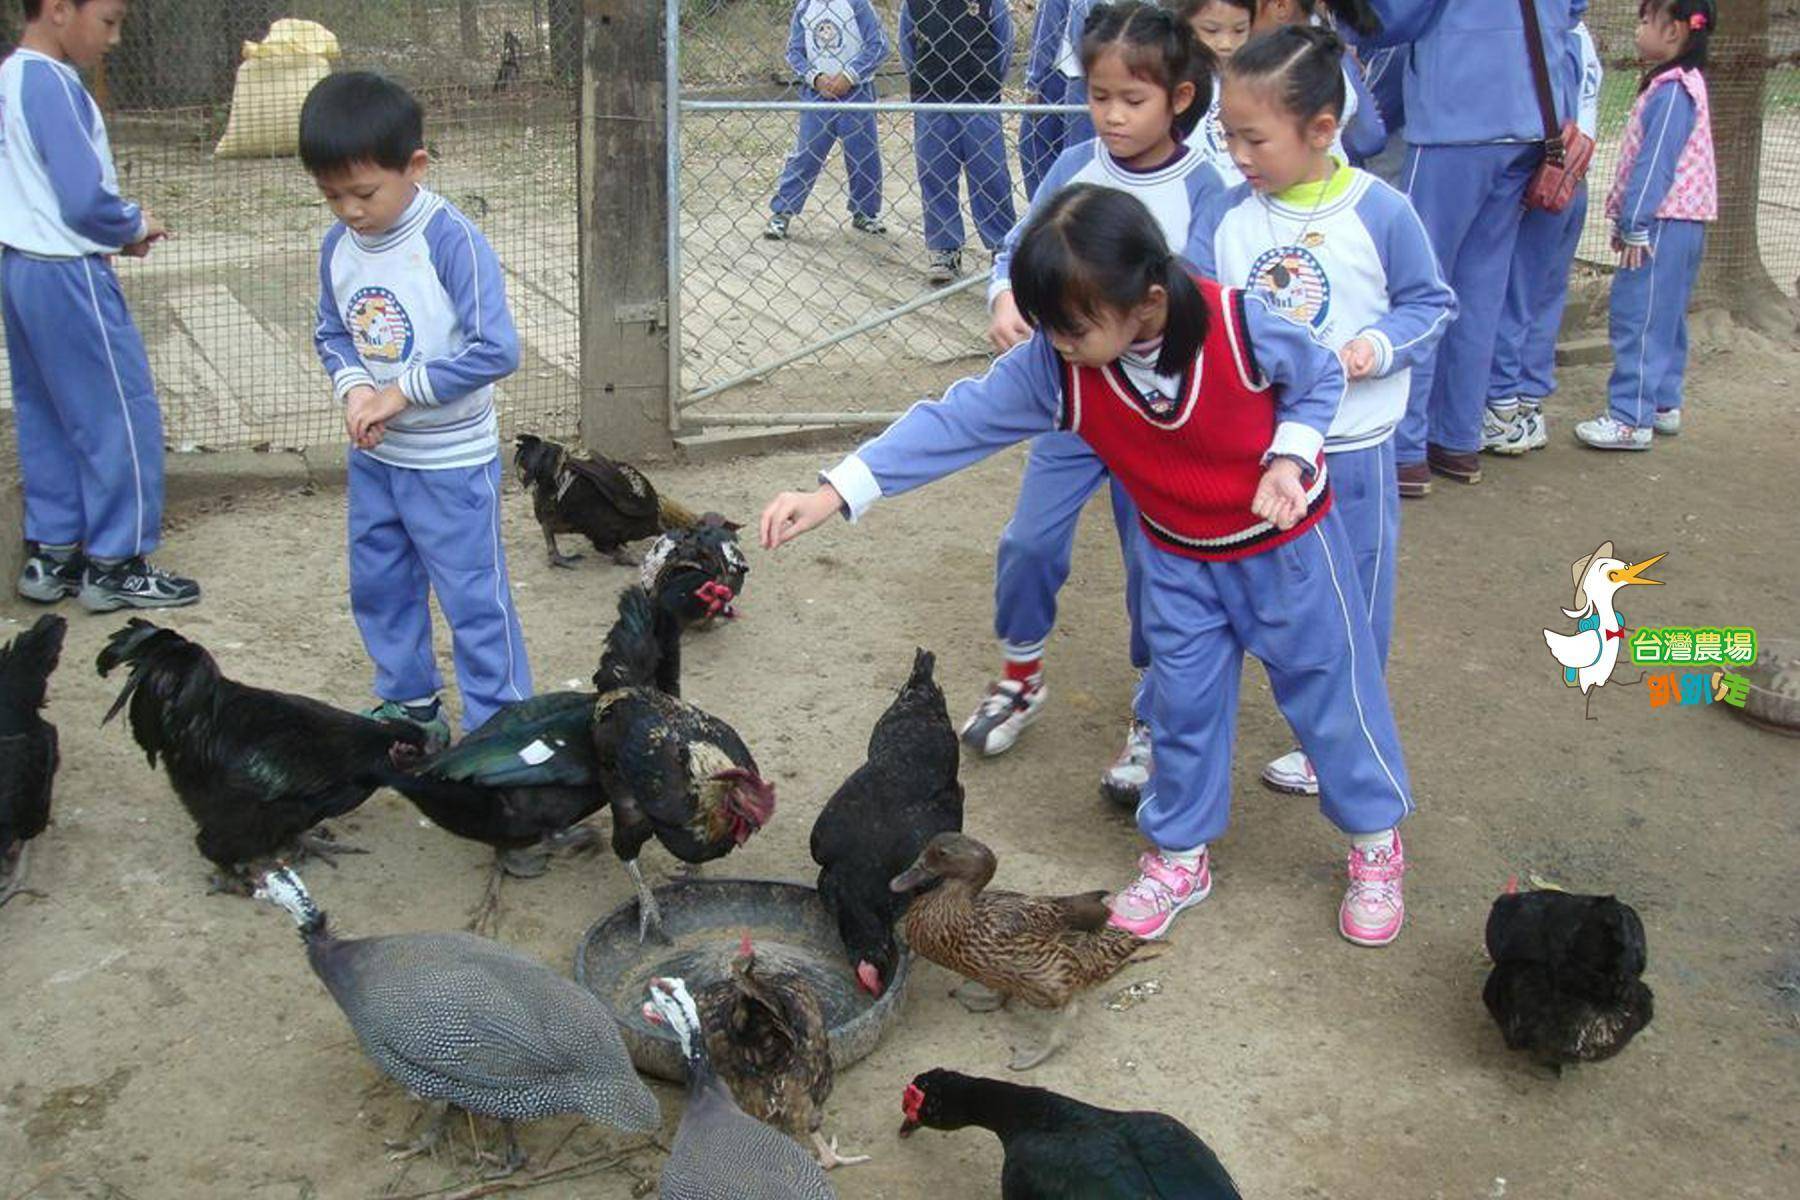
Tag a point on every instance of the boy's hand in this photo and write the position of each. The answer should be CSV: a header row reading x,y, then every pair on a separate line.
x,y
793,513
1007,328
368,410
1358,357
1279,497
154,232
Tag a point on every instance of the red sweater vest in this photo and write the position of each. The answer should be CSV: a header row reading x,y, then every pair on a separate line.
x,y
1192,464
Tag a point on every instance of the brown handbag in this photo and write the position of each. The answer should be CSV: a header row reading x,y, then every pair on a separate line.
x,y
1568,152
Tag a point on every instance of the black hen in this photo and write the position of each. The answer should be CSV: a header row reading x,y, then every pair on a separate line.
x,y
1057,1146
673,773
609,503
1565,986
521,781
28,755
876,825
699,572
255,769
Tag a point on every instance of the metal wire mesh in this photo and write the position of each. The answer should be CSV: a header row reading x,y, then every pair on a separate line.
x,y
227,308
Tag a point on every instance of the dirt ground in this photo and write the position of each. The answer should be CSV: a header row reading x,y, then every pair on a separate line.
x,y
165,1043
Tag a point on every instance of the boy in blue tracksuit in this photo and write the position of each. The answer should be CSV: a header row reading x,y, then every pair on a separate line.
x,y
89,428
956,52
1537,288
835,47
1474,132
1041,135
414,331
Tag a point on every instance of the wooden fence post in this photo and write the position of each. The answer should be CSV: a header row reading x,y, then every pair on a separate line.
x,y
623,238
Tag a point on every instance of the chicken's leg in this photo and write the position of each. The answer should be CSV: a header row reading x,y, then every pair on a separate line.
x,y
428,1141
12,882
514,1159
649,916
829,1156
978,997
1028,1057
322,844
557,558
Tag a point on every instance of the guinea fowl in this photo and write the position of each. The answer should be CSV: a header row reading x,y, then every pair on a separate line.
x,y
523,781
459,1019
1043,950
609,503
697,572
1565,987
879,820
255,769
28,757
720,1152
673,773
766,1038
1057,1146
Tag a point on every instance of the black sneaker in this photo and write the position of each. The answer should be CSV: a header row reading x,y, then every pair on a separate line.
x,y
867,224
134,583
47,579
944,267
777,228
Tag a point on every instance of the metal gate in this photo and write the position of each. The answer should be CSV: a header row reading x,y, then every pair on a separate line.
x,y
846,317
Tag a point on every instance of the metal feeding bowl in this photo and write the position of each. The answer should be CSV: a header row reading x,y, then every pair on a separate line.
x,y
706,920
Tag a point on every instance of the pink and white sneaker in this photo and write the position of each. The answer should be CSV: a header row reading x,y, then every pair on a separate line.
x,y
1162,889
1374,906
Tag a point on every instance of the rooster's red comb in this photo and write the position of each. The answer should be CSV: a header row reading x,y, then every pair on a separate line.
x,y
911,1101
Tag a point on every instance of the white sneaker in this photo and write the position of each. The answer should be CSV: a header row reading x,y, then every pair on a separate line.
x,y
1123,783
1292,773
1668,421
1009,709
1503,431
1537,428
1604,433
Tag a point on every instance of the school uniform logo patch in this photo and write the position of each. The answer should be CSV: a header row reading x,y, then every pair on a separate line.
x,y
1294,283
379,326
827,34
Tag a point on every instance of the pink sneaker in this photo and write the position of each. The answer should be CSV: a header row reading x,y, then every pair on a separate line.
x,y
1163,888
1374,908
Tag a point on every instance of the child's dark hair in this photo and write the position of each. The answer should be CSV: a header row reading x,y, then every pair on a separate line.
x,y
1094,248
359,117
35,8
1187,10
1302,64
1359,16
1701,18
1157,46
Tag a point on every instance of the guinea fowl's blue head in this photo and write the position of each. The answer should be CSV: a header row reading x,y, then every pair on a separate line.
x,y
281,886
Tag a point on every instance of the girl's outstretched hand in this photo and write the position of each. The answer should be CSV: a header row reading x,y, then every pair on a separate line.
x,y
793,513
1279,497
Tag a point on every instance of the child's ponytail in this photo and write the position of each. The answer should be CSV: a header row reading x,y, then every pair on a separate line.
x,y
1700,17
1094,248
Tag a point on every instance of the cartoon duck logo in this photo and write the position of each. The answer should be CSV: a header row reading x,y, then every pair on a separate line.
x,y
1590,653
379,326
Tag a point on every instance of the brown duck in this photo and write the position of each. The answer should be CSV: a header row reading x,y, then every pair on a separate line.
x,y
1043,950
765,1034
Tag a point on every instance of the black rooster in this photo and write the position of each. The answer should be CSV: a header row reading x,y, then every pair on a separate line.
x,y
609,503
527,776
255,769
28,756
510,68
697,572
1565,986
1057,1146
673,773
879,820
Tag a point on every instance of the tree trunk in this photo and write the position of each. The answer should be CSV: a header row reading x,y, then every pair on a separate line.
x,y
469,25
1734,275
174,53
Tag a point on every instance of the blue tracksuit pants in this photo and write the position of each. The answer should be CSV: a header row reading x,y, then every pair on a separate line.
x,y
1035,547
819,132
949,147
1648,324
1537,290
89,428
415,533
1298,608
1469,199
1368,509
1041,134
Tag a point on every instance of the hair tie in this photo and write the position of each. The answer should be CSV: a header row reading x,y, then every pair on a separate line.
x,y
1697,22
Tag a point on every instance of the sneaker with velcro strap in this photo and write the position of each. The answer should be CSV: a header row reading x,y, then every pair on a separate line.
x,y
1009,708
134,583
1123,783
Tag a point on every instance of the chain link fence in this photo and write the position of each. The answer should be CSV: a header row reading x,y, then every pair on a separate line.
x,y
834,318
